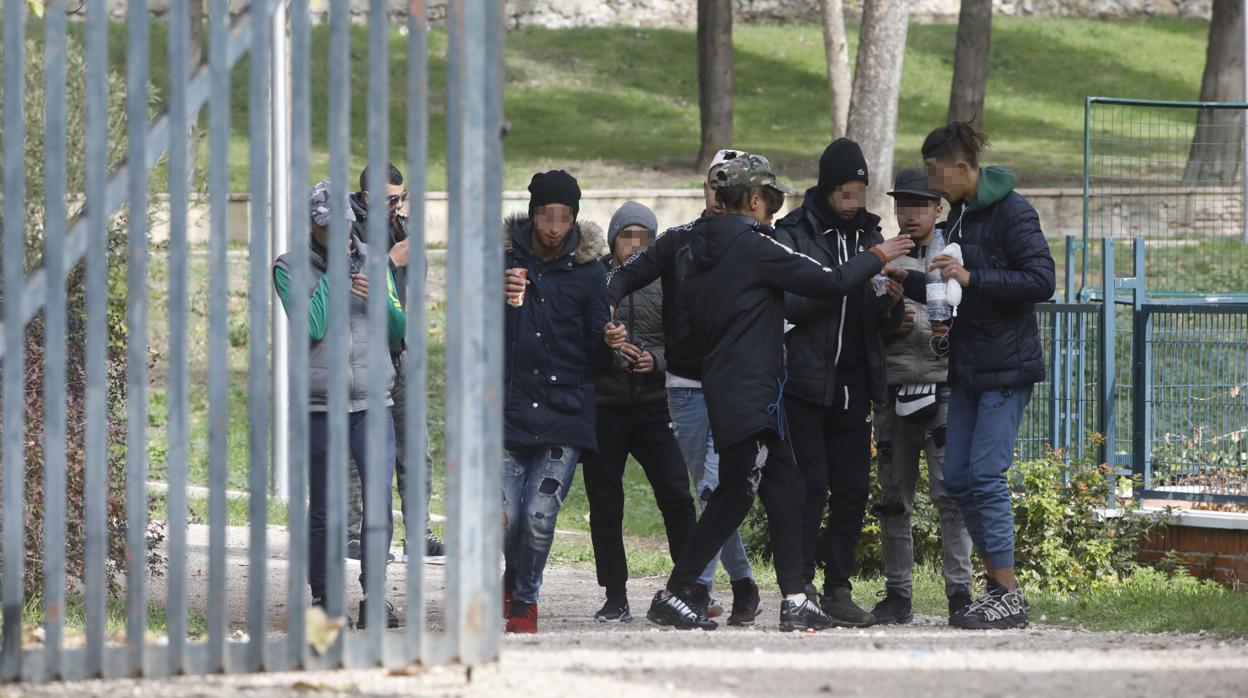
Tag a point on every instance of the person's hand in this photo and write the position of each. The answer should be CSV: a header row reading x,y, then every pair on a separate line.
x,y
907,322
513,283
895,273
894,290
615,334
939,329
359,286
951,269
630,351
644,363
398,253
894,247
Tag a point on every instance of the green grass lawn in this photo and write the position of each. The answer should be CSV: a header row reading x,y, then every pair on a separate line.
x,y
618,106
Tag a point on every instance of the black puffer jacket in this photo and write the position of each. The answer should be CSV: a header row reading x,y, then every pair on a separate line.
x,y
734,294
642,313
820,334
994,337
658,261
554,340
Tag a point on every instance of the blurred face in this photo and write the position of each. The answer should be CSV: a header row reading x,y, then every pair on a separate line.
x,y
631,240
848,198
916,216
708,191
551,225
955,181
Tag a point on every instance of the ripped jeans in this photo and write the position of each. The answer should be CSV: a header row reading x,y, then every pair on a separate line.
x,y
534,485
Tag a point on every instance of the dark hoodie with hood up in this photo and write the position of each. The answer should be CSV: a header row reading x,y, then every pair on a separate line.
x,y
835,342
554,340
734,296
994,339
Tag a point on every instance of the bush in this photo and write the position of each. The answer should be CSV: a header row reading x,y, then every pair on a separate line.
x,y
1063,539
75,348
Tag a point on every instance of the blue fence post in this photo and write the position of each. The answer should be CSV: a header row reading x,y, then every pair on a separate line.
x,y
1109,376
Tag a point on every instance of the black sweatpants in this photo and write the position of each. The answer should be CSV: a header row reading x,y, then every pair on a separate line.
x,y
765,467
833,447
645,431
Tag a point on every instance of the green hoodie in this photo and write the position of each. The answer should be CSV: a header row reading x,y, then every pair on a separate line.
x,y
995,183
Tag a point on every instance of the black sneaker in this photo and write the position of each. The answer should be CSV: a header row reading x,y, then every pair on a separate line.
x,y
614,609
434,547
839,605
672,611
958,603
894,609
804,616
997,609
392,616
744,602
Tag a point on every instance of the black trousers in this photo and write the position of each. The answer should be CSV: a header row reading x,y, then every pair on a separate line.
x,y
765,467
645,431
833,447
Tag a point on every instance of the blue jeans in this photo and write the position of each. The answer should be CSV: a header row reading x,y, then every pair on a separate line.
x,y
693,434
979,449
534,486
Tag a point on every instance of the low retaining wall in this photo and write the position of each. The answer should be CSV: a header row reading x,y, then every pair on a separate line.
x,y
1211,545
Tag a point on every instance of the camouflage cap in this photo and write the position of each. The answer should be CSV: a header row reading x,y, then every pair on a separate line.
x,y
750,170
318,204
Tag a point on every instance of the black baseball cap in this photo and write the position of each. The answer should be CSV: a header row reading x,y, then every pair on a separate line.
x,y
914,182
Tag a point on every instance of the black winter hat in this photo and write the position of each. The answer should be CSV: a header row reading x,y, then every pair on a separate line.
x,y
841,162
554,187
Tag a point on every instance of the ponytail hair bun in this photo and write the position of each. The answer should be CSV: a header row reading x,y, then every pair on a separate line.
x,y
959,140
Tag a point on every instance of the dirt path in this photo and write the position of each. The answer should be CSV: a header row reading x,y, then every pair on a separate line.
x,y
574,656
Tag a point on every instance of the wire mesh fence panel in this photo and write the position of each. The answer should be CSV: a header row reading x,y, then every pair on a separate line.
x,y
1196,427
1063,411
1171,173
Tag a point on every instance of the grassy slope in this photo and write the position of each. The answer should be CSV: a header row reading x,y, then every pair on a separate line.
x,y
619,105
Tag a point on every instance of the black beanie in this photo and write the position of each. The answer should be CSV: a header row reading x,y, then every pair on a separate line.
x,y
554,187
841,162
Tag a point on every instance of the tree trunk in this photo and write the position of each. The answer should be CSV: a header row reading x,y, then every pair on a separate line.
x,y
970,62
714,77
836,49
877,87
1216,145
195,55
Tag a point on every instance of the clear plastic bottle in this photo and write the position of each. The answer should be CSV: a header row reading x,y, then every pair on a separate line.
x,y
938,309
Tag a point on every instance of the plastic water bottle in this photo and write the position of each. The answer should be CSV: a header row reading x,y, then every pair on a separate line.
x,y
938,309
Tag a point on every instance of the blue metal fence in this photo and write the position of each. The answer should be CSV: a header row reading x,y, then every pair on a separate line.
x,y
470,628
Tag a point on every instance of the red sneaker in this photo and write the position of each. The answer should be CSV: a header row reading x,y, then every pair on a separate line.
x,y
526,621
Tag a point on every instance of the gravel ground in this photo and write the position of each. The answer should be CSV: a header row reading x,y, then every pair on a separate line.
x,y
574,656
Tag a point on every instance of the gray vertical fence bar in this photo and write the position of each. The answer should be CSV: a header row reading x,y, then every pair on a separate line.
x,y
335,475
300,142
218,346
492,290
258,344
95,521
377,483
54,337
14,337
178,450
417,339
1109,373
136,337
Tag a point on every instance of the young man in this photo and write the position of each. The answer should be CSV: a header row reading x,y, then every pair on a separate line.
x,y
685,399
396,201
556,309
996,352
736,274
912,421
357,372
836,370
633,419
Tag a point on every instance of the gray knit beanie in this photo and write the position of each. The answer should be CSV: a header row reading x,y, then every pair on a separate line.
x,y
631,213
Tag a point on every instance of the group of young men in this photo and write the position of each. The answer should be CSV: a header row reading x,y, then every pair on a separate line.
x,y
748,360
754,360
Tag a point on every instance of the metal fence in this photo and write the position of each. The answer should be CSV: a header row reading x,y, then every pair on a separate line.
x,y
468,627
1171,173
1191,431
1065,409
